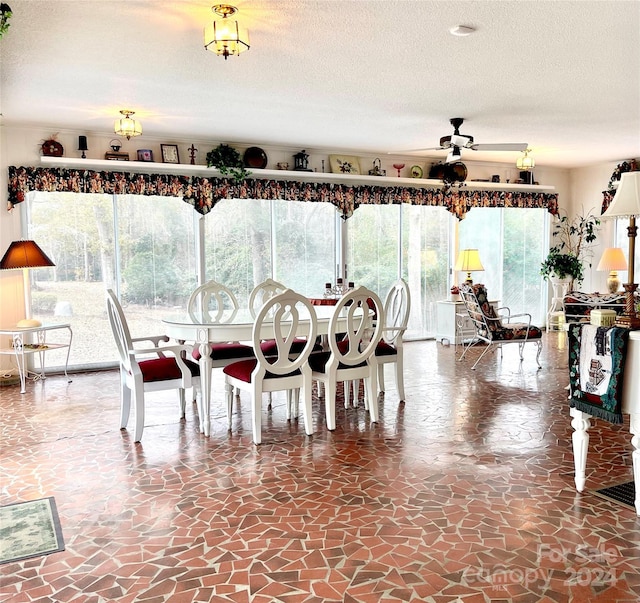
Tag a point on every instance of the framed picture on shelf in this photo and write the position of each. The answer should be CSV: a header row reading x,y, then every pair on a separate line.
x,y
145,155
169,153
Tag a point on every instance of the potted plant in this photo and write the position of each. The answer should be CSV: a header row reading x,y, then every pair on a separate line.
x,y
562,266
574,240
228,162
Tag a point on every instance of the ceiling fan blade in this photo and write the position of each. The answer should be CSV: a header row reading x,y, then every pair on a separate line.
x,y
417,150
505,146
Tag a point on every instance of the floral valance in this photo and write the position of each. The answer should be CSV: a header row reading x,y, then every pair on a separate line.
x,y
203,193
610,193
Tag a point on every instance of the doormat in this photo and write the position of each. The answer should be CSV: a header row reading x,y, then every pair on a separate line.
x,y
29,529
622,493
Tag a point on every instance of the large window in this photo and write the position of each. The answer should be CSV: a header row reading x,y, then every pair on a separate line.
x,y
247,241
511,246
155,250
142,247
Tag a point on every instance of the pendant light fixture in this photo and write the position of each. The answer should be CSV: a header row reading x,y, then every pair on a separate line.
x,y
225,36
127,126
525,162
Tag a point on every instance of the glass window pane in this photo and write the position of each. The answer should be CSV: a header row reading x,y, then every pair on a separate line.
x,y
238,245
157,266
523,289
156,238
510,242
425,264
372,256
304,245
76,232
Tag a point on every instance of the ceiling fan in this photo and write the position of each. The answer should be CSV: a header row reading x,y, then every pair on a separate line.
x,y
456,141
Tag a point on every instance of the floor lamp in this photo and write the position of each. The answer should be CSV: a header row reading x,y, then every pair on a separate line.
x,y
24,255
626,204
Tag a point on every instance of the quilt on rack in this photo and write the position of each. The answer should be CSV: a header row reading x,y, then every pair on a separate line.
x,y
596,369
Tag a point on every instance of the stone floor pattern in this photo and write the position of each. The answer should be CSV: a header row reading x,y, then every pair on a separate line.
x,y
464,493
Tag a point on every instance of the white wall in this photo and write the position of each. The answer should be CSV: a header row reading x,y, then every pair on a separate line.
x,y
586,186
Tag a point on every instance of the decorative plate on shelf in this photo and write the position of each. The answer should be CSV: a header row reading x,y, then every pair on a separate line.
x,y
416,171
456,172
255,157
52,148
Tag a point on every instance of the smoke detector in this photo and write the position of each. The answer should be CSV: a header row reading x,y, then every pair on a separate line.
x,y
461,30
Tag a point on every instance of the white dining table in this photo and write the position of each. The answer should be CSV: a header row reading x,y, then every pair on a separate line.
x,y
239,327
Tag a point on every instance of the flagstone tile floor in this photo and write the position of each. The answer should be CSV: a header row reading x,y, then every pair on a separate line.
x,y
464,493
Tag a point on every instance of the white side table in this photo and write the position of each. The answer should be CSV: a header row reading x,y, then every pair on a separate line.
x,y
453,323
33,340
555,315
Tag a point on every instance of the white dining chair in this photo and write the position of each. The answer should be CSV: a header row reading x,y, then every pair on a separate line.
x,y
215,303
262,293
291,316
147,369
397,306
350,356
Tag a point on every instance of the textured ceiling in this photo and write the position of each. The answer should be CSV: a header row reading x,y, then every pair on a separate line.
x,y
370,76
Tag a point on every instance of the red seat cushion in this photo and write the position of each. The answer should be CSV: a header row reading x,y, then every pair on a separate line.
x,y
242,370
224,351
269,348
384,349
318,362
165,369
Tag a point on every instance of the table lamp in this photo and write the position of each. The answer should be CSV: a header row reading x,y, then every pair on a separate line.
x,y
612,260
24,255
469,261
626,204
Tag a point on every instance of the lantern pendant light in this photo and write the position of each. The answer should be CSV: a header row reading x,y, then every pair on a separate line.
x,y
225,36
126,126
525,162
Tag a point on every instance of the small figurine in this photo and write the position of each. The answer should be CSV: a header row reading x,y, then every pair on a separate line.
x,y
192,154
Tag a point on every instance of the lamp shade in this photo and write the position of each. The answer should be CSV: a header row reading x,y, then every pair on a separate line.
x,y
469,261
24,254
127,126
612,259
525,162
626,202
225,36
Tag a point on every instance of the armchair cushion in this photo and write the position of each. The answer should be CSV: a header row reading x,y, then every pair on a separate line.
x,y
164,369
517,330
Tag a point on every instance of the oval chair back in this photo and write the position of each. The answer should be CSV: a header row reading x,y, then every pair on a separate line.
x,y
262,293
212,302
284,319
